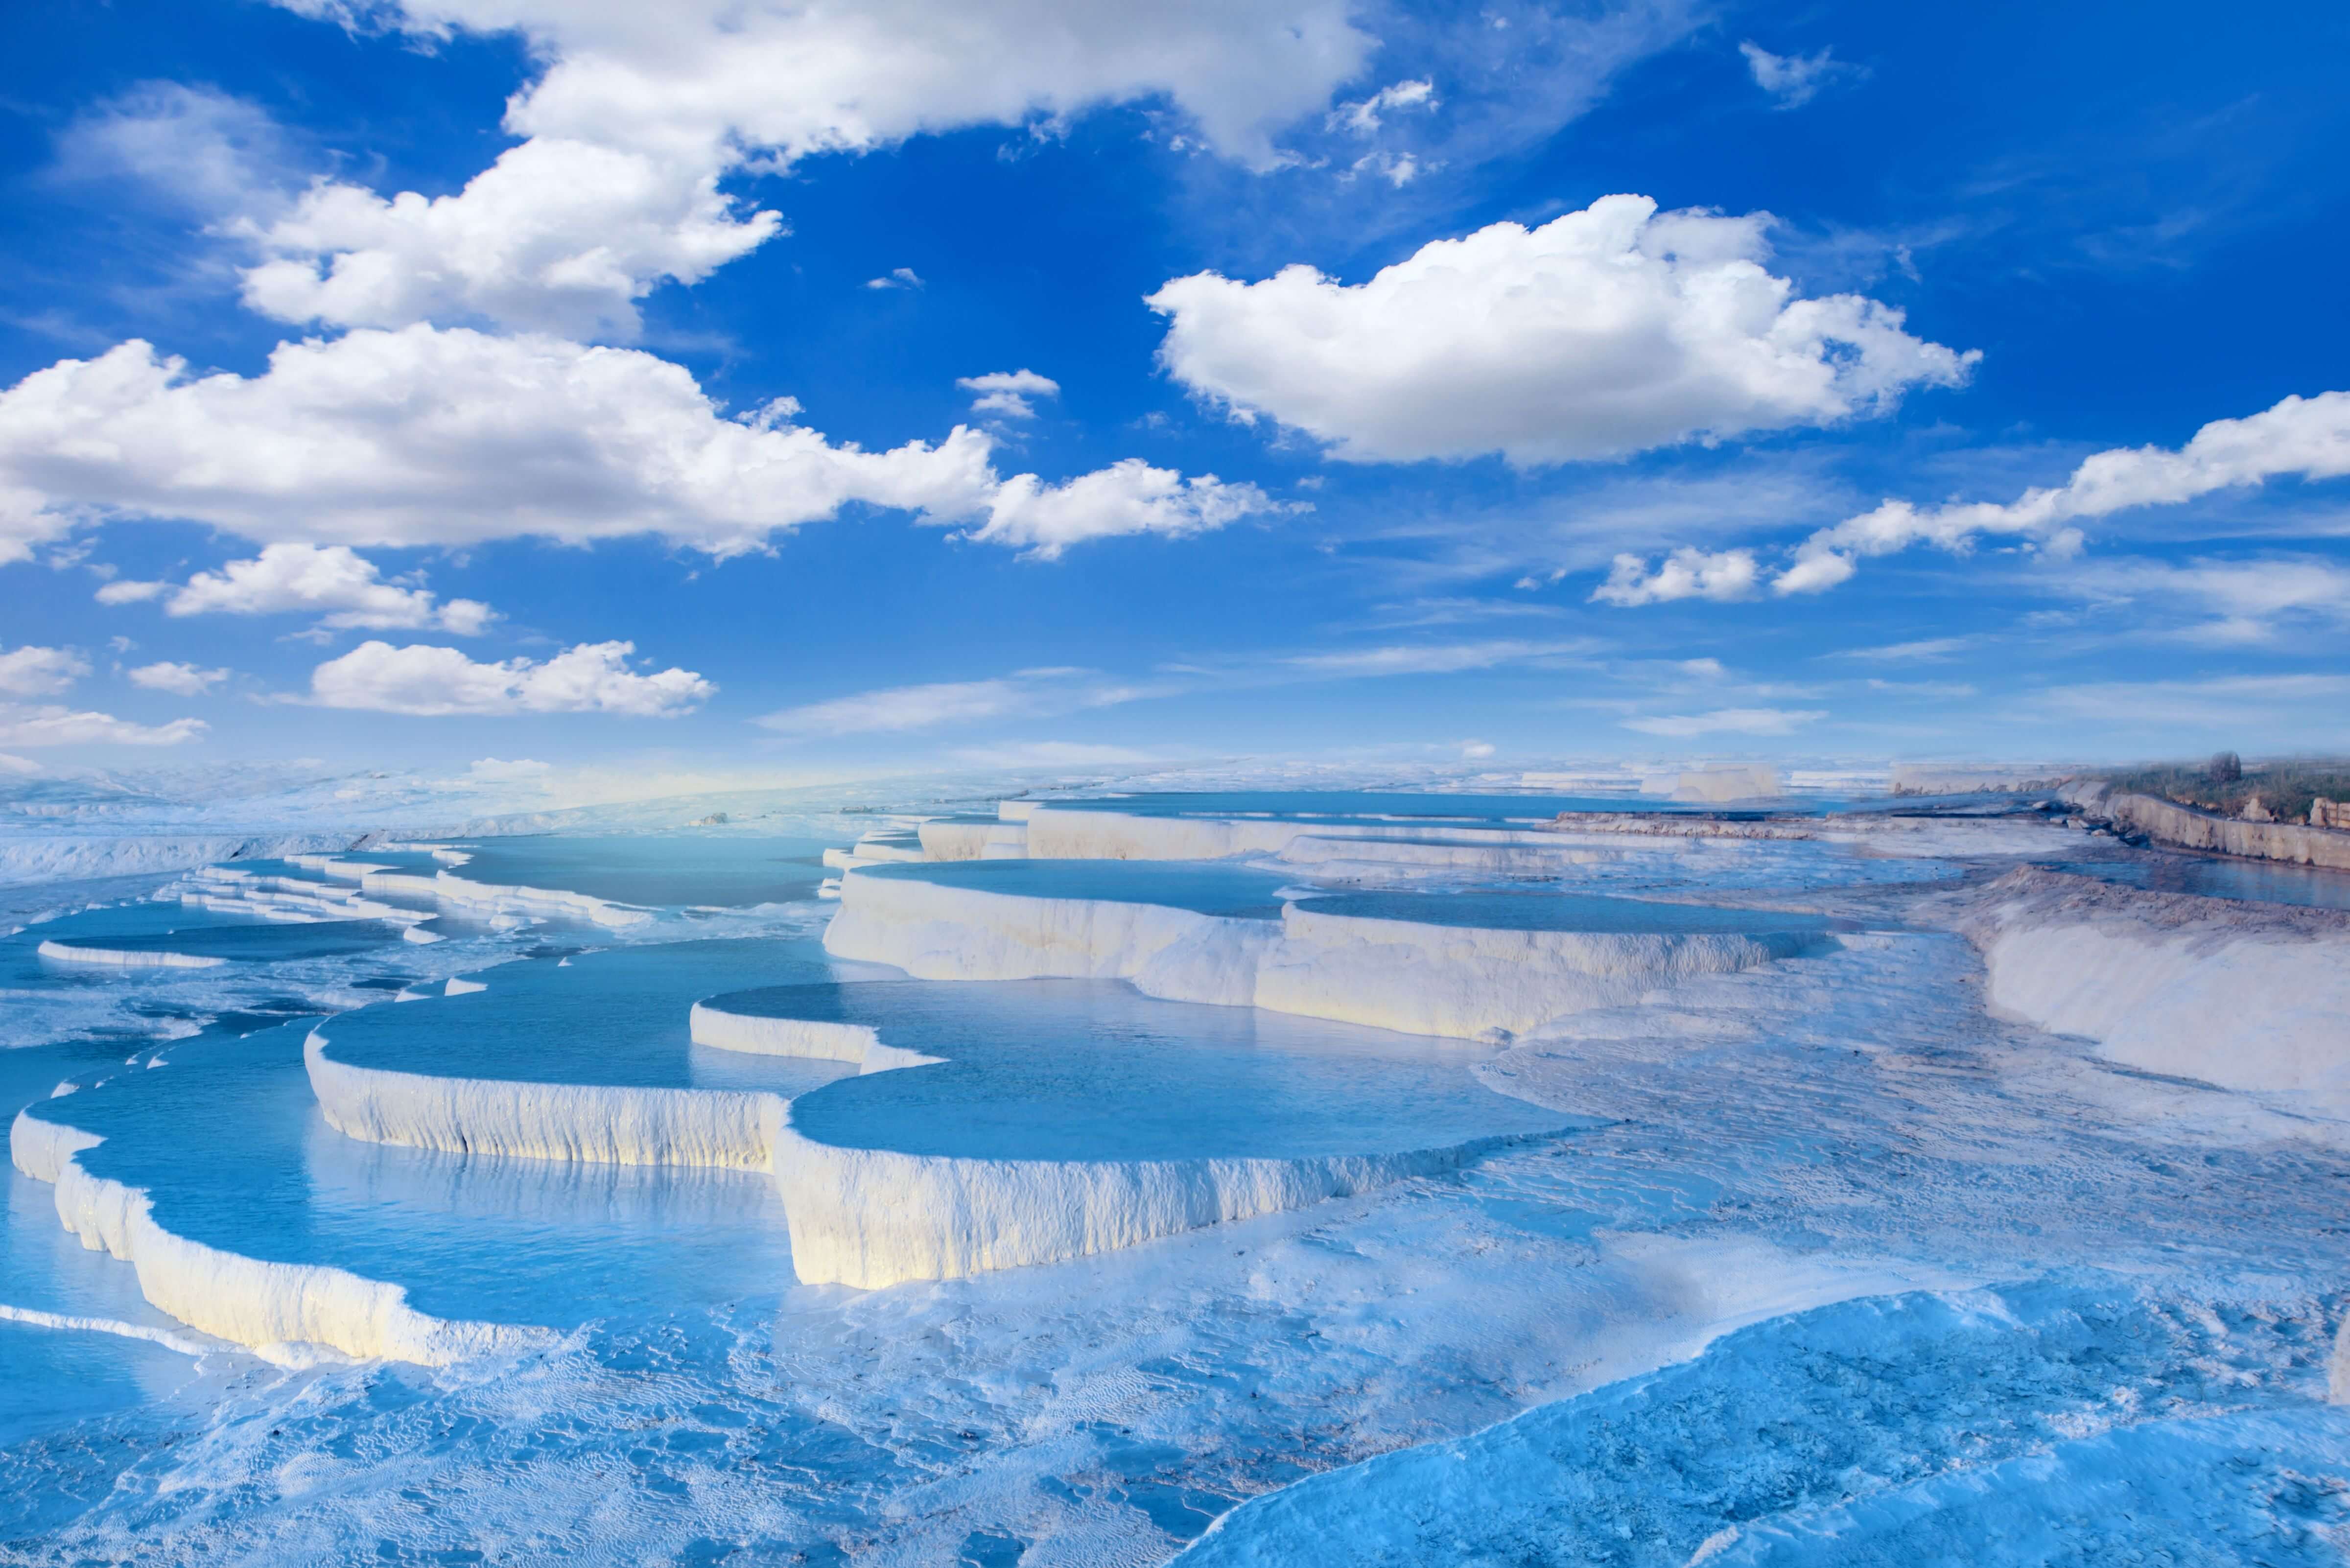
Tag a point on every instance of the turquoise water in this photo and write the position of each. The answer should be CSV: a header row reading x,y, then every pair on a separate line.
x,y
52,1378
620,1016
1076,1069
2259,882
672,870
260,942
1355,805
1205,888
228,1142
1561,912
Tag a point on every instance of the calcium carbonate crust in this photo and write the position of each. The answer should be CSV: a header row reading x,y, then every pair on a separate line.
x,y
2246,996
864,1218
1420,979
280,1310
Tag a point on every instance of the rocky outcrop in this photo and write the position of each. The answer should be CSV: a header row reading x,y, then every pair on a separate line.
x,y
2166,822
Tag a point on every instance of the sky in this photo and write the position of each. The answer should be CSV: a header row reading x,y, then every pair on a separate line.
x,y
748,389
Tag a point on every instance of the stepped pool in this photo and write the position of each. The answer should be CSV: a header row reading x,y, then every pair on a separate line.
x,y
626,1223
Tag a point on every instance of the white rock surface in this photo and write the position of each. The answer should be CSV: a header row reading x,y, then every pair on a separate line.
x,y
1388,974
2246,996
871,1218
277,1309
125,958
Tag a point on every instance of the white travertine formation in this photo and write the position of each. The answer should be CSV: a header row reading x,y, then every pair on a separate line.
x,y
271,1307
2241,995
860,1045
1066,834
858,1217
490,899
940,933
596,1122
1469,982
871,1218
1713,785
944,840
1494,854
1419,979
125,958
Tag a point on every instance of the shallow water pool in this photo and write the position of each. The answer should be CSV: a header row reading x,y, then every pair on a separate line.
x,y
1080,1069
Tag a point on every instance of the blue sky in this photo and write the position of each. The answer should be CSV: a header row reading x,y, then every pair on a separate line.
x,y
1289,377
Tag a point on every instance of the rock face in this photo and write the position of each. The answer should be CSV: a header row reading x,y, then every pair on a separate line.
x,y
2189,829
2332,814
2245,996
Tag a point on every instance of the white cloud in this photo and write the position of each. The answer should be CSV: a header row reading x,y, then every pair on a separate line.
x,y
1397,168
1364,118
1686,574
40,671
642,110
1007,392
2251,601
1431,659
48,724
197,148
898,277
1603,333
1795,80
429,437
592,678
1028,694
181,680
1128,497
2307,438
1728,721
1924,651
2301,710
1052,692
557,235
309,579
1476,751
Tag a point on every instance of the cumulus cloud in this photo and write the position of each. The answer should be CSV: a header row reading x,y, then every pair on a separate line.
x,y
2305,438
181,680
432,436
592,678
1026,694
1008,393
557,235
1686,574
36,671
50,724
641,110
1603,333
1795,80
332,579
1727,721
1128,497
